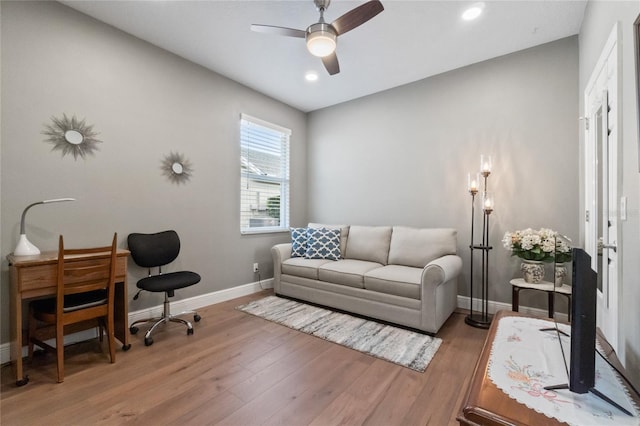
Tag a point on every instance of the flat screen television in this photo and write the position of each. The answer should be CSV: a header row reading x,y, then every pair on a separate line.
x,y
581,368
582,360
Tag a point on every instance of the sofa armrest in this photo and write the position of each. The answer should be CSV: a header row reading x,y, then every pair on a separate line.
x,y
279,253
441,270
439,291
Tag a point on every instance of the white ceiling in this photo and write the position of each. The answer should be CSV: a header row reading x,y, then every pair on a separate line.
x,y
408,41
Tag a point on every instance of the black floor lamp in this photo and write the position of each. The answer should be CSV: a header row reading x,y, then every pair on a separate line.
x,y
480,319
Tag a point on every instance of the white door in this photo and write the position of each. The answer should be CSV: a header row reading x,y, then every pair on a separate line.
x,y
601,183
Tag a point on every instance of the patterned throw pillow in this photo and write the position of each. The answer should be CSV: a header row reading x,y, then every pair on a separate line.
x,y
298,242
323,243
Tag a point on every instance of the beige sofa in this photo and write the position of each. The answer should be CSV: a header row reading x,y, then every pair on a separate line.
x,y
398,274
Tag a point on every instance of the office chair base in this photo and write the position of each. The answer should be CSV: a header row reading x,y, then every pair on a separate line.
x,y
166,317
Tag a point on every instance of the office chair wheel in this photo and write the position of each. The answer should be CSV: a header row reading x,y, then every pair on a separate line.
x,y
133,330
126,347
148,341
197,318
189,331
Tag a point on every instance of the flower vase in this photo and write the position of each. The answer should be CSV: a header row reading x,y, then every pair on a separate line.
x,y
532,271
560,273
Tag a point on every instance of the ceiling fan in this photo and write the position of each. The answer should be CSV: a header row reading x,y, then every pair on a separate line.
x,y
321,37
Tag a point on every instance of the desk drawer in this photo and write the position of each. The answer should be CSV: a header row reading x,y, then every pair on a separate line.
x,y
37,277
44,276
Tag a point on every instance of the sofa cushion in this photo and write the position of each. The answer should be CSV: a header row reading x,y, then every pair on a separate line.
x,y
346,272
302,267
344,233
398,280
323,243
298,242
370,243
417,247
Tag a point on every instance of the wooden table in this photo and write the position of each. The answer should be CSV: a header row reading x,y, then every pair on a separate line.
x,y
486,404
35,276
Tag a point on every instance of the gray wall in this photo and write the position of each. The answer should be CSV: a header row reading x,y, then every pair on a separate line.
x,y
599,19
401,157
145,102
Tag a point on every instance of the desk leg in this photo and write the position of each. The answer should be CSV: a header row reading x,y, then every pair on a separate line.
x,y
515,298
121,315
16,332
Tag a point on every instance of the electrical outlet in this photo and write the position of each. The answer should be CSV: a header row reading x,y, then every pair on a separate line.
x,y
256,268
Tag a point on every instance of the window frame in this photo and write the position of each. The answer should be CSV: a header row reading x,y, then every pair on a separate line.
x,y
246,176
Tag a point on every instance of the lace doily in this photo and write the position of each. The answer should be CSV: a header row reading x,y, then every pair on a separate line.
x,y
524,360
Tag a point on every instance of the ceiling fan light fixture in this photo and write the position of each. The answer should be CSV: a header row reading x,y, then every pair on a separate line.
x,y
321,40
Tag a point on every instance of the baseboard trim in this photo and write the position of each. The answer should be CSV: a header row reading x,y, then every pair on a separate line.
x,y
493,307
189,304
200,301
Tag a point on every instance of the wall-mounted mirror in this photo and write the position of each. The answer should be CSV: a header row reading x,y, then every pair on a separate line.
x,y
71,136
74,137
177,168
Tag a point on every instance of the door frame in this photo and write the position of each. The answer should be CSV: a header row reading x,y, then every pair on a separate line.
x,y
603,85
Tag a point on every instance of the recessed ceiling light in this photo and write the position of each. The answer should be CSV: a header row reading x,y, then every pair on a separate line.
x,y
311,76
473,11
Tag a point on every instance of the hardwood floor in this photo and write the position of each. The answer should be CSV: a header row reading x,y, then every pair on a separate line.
x,y
238,369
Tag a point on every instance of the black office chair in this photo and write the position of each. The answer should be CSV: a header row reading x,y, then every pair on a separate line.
x,y
155,251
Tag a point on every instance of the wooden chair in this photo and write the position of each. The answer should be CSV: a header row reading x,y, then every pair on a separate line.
x,y
85,291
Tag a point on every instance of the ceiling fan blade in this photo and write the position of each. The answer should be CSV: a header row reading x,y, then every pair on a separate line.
x,y
331,63
358,16
270,29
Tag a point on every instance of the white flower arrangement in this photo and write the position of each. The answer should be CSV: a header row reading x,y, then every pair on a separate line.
x,y
542,245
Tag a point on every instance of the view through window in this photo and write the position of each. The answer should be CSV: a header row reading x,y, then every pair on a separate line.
x,y
264,181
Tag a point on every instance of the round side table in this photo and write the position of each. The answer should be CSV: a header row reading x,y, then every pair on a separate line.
x,y
518,284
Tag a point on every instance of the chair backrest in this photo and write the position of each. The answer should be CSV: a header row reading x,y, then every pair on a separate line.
x,y
85,270
153,250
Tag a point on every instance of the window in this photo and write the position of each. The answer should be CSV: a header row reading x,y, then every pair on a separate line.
x,y
264,176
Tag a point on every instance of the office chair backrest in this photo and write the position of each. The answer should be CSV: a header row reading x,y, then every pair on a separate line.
x,y
152,250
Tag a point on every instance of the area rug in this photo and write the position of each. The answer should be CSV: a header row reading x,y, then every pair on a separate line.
x,y
407,348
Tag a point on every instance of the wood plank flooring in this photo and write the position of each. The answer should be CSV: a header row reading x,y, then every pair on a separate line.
x,y
238,369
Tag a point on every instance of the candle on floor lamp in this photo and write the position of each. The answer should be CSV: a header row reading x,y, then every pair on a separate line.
x,y
473,179
485,165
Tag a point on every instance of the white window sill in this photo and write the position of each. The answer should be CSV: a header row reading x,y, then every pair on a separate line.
x,y
263,231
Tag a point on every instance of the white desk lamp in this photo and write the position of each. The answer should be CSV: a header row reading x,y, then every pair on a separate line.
x,y
24,247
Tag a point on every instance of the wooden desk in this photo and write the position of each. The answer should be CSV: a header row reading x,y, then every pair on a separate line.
x,y
35,276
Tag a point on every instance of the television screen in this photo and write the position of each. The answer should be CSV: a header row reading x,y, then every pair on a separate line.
x,y
582,359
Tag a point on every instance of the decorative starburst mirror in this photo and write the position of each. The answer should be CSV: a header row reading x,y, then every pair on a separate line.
x,y
71,136
177,168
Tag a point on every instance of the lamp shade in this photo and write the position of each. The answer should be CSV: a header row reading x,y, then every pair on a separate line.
x,y
485,165
321,40
487,202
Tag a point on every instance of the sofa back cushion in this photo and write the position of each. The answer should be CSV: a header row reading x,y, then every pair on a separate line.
x,y
344,233
417,247
369,243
